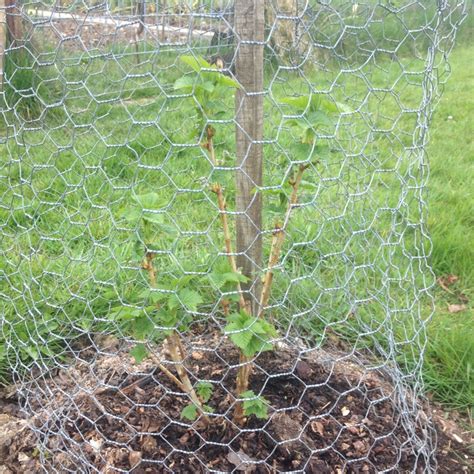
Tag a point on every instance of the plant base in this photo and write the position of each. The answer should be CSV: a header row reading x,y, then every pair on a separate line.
x,y
109,414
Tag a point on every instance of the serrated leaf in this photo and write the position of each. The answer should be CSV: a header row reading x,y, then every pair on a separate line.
x,y
32,352
208,86
318,118
153,217
234,297
204,390
235,277
166,318
195,62
217,279
124,313
235,318
276,209
243,340
132,214
165,229
142,327
150,200
300,103
139,353
316,102
308,136
257,406
181,281
228,81
189,412
251,335
190,299
185,84
247,394
153,296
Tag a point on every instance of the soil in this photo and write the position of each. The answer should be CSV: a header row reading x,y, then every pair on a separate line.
x,y
108,414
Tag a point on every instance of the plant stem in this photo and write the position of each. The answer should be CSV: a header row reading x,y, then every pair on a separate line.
x,y
147,265
169,374
177,351
221,203
278,240
242,385
177,355
245,369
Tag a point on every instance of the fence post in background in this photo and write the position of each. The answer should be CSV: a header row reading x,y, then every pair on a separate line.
x,y
13,21
3,40
249,24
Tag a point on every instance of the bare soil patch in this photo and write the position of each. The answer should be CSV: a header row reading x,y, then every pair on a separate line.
x,y
109,414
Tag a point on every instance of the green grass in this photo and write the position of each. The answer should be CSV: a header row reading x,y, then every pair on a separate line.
x,y
449,360
69,255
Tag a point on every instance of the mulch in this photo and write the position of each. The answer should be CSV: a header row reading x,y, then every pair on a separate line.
x,y
328,415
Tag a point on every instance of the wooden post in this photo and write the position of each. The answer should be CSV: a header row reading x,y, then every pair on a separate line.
x,y
249,23
13,21
3,40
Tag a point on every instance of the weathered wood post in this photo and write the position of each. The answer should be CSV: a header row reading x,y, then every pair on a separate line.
x,y
3,40
249,24
13,20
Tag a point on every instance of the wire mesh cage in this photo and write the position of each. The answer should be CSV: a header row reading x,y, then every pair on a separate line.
x,y
213,248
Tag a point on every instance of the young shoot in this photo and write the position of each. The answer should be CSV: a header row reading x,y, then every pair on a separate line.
x,y
254,405
190,412
168,310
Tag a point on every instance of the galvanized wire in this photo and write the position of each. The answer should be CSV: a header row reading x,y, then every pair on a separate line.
x,y
91,121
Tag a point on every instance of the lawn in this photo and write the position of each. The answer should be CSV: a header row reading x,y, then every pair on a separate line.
x,y
450,352
71,179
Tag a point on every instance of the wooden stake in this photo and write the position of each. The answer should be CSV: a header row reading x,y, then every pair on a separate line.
x,y
249,27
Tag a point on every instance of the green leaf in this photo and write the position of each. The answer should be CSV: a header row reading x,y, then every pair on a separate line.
x,y
235,277
308,136
190,299
300,123
316,102
204,390
250,334
150,200
220,279
300,103
124,313
132,214
181,282
257,406
189,412
153,296
166,318
318,118
142,327
196,62
32,352
234,297
139,352
185,83
242,340
153,217
228,81
208,86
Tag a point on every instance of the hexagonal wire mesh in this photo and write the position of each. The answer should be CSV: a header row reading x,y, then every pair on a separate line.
x,y
148,265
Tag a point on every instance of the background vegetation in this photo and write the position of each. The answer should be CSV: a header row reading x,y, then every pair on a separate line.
x,y
69,255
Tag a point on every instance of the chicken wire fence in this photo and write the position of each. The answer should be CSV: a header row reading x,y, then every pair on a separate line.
x,y
214,253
